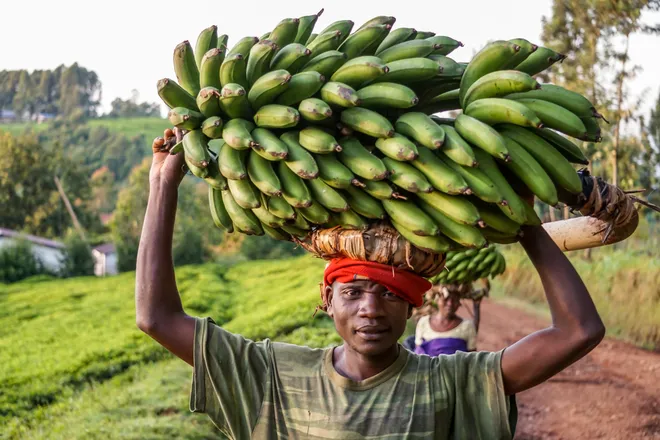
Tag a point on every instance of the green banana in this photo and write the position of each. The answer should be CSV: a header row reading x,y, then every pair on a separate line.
x,y
306,27
496,236
398,147
237,134
267,218
441,103
571,101
395,37
244,193
223,40
207,40
185,68
528,170
208,102
481,135
266,88
457,149
243,47
234,102
378,20
299,160
314,110
421,128
232,70
360,161
291,58
497,220
387,94
532,217
263,176
294,190
326,63
409,216
327,196
280,208
380,190
209,71
406,176
357,42
423,35
558,168
300,221
526,49
593,130
364,204
565,146
449,69
556,117
408,49
492,57
218,212
318,141
244,220
360,70
285,32
457,208
258,61
173,95
311,38
343,26
434,244
541,59
276,116
410,71
212,127
303,85
349,220
214,178
185,118
444,45
296,232
442,177
498,110
368,122
335,173
339,94
514,207
232,163
499,83
464,235
428,90
478,181
268,145
196,150
325,42
315,213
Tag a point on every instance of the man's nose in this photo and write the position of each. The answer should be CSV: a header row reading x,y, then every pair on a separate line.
x,y
370,306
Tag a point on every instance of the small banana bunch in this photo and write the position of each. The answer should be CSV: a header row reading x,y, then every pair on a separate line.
x,y
298,130
467,266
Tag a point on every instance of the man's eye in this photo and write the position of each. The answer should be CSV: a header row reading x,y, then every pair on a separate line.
x,y
351,292
389,294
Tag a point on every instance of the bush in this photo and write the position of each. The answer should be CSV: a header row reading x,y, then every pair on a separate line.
x,y
78,259
18,262
266,248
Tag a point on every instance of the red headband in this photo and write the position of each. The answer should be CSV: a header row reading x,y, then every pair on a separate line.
x,y
404,284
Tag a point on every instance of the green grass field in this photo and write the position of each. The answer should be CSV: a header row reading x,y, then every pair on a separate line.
x,y
130,127
76,366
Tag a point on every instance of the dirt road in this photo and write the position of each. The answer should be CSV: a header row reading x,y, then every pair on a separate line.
x,y
613,393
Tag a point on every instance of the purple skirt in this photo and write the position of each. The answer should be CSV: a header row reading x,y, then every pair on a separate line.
x,y
435,347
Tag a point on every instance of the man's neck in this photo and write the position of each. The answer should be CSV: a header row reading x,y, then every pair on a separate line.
x,y
358,367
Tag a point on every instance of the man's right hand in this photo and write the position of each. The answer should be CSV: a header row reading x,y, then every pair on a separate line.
x,y
167,170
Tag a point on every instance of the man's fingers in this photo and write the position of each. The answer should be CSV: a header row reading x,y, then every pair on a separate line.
x,y
158,145
178,133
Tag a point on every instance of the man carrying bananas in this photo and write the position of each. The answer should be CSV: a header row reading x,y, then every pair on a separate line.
x,y
369,387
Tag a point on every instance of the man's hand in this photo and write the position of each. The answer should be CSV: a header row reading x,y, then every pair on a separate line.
x,y
167,170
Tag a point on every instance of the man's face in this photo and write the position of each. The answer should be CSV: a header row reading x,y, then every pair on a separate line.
x,y
368,317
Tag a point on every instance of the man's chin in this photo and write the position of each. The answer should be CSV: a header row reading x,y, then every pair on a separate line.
x,y
373,348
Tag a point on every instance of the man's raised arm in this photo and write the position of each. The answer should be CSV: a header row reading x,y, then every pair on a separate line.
x,y
159,312
576,327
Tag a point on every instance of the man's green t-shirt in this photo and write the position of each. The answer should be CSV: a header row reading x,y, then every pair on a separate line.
x,y
271,390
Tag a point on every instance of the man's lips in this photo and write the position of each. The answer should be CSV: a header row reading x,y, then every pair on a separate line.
x,y
372,332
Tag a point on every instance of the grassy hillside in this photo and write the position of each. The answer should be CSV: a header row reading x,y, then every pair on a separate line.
x,y
60,339
128,126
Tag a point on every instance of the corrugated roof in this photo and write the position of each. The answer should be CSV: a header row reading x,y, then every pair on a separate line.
x,y
105,248
4,232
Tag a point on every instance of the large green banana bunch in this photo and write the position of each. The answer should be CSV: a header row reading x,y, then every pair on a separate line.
x,y
299,130
470,265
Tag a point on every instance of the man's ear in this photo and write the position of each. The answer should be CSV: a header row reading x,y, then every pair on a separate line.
x,y
328,295
410,310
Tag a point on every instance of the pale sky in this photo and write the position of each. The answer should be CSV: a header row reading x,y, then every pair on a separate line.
x,y
130,43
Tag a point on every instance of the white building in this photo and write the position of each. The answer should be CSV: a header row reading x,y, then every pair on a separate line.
x,y
105,260
49,252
